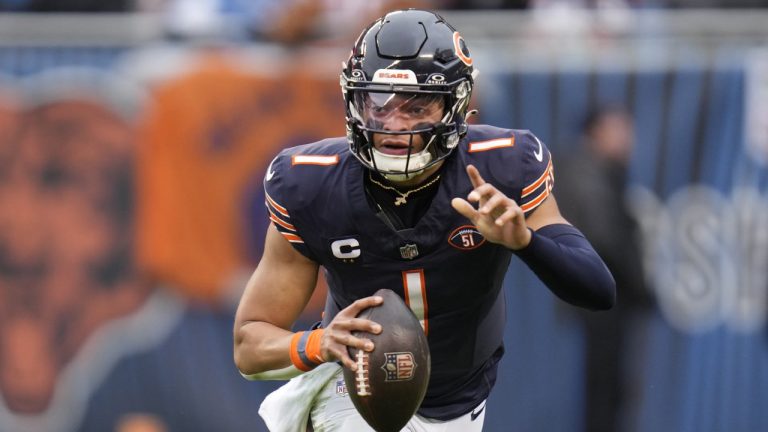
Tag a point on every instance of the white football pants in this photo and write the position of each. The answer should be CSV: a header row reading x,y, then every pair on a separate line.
x,y
333,411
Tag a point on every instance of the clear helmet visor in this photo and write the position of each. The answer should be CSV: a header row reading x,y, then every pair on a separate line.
x,y
398,111
400,129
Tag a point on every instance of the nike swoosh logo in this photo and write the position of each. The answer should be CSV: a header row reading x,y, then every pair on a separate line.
x,y
540,153
270,173
476,412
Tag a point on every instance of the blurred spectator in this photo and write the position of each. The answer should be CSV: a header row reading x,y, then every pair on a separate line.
x,y
729,4
291,22
335,21
591,193
486,4
211,20
78,5
584,4
13,5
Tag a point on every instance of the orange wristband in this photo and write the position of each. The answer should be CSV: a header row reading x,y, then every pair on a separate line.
x,y
305,349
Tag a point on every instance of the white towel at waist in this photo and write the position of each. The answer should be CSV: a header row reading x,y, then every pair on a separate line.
x,y
287,408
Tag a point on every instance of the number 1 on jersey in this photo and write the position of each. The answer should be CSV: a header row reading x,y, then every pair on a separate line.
x,y
416,295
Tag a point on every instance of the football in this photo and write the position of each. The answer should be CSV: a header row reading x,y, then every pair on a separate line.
x,y
391,380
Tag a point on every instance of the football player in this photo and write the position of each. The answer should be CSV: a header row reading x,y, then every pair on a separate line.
x,y
416,200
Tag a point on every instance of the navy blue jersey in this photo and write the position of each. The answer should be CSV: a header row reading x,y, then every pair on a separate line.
x,y
448,274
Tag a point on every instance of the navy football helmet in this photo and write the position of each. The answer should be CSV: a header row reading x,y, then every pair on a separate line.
x,y
417,58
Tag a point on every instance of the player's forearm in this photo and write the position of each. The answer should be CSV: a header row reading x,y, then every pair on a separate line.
x,y
565,261
261,347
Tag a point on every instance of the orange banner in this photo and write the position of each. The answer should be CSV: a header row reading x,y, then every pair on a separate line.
x,y
204,147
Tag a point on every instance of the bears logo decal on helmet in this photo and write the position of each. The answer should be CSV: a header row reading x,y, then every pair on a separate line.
x,y
461,50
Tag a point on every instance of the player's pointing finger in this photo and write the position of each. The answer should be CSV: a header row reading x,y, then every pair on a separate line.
x,y
474,176
465,208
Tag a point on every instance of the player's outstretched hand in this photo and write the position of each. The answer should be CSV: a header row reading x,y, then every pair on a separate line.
x,y
498,218
338,334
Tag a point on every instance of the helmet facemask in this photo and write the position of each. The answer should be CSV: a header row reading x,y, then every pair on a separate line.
x,y
434,119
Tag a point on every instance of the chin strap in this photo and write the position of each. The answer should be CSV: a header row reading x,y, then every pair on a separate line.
x,y
384,162
465,123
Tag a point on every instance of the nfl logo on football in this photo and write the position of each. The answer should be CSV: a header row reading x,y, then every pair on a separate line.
x,y
399,366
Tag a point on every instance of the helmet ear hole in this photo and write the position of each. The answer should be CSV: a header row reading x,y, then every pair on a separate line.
x,y
444,56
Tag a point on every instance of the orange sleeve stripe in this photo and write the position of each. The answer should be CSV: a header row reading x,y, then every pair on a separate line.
x,y
293,238
314,160
481,146
531,188
536,201
282,210
280,222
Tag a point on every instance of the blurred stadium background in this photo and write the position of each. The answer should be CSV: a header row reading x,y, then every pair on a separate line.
x,y
134,136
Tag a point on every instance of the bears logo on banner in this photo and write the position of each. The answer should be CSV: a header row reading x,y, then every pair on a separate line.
x,y
65,243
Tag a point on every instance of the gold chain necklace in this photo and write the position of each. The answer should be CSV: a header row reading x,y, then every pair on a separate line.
x,y
402,199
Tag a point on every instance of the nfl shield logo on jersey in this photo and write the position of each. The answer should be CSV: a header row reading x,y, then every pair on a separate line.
x,y
409,251
399,366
